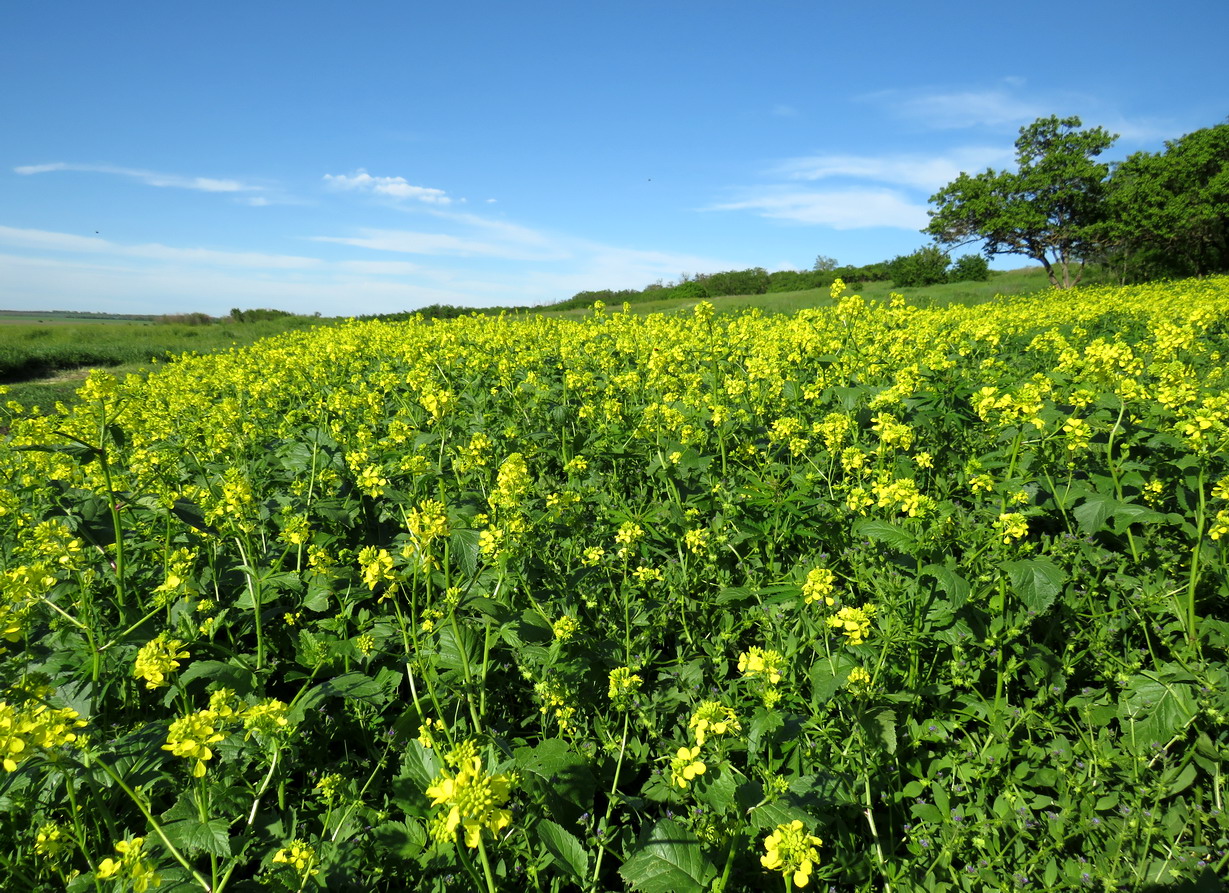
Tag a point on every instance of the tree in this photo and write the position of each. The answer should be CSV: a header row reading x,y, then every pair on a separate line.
x,y
926,266
824,264
969,268
1168,212
1049,209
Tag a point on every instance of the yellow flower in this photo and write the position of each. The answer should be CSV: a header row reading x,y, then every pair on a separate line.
x,y
819,585
131,865
473,800
712,718
759,663
1012,526
157,659
791,851
190,737
268,718
685,766
623,684
298,856
565,627
855,623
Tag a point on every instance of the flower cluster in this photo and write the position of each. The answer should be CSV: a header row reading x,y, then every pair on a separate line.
x,y
472,799
33,726
855,623
713,718
686,766
131,866
818,586
158,659
298,856
791,851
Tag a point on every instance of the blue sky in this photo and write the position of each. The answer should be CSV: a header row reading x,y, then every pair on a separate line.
x,y
371,157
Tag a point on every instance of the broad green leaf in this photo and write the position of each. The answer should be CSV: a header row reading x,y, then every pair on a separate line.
x,y
1094,511
880,729
569,852
195,835
560,776
886,533
951,583
1037,581
669,860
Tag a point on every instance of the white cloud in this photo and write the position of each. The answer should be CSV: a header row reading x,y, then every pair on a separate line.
x,y
394,187
781,110
149,178
855,208
916,171
957,109
379,267
411,242
43,240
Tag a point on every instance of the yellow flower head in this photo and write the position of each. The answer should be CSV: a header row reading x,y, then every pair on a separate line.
x,y
818,586
298,856
190,737
855,623
157,659
713,718
472,799
791,851
685,766
757,663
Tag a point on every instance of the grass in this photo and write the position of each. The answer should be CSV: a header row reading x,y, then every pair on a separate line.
x,y
1028,280
45,361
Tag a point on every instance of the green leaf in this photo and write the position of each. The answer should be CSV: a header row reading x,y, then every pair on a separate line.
x,y
880,728
1037,581
1094,511
568,851
193,834
781,811
1152,710
956,587
240,679
669,860
560,776
886,533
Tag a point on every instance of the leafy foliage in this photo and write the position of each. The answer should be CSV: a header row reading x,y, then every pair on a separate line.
x,y
1050,208
870,595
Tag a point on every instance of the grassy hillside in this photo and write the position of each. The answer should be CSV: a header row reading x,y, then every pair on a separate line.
x,y
1009,282
43,360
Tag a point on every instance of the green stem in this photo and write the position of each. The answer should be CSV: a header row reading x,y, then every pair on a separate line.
x,y
170,847
254,589
610,802
1196,552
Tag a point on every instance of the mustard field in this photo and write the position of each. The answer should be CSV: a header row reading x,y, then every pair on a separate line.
x,y
863,598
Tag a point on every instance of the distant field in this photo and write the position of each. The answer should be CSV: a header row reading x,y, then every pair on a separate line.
x,y
44,360
1009,282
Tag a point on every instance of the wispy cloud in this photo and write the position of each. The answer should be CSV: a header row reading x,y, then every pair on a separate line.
x,y
995,108
855,208
414,242
915,171
393,187
44,240
149,178
781,110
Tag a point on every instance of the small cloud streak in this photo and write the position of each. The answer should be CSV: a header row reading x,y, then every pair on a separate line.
x,y
915,171
393,187
149,178
43,240
856,208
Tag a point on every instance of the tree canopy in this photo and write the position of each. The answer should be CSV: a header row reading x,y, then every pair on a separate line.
x,y
1050,209
1168,212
